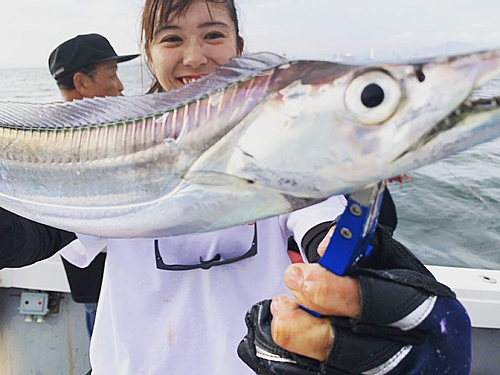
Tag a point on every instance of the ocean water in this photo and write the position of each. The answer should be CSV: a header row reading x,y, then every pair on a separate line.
x,y
448,215
36,85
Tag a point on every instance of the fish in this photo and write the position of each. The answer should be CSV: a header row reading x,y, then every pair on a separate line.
x,y
260,137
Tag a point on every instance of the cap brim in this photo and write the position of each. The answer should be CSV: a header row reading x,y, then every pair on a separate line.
x,y
120,59
126,58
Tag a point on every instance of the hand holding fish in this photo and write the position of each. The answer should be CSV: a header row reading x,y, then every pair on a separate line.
x,y
391,317
319,290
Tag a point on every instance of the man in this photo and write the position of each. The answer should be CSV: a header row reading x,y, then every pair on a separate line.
x,y
86,67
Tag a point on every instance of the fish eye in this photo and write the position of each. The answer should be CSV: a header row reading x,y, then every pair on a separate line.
x,y
373,97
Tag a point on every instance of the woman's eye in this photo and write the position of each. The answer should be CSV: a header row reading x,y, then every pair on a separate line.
x,y
214,35
171,39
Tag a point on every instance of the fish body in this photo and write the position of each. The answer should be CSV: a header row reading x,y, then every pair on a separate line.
x,y
260,137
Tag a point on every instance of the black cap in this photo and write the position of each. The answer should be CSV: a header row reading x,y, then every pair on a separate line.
x,y
80,51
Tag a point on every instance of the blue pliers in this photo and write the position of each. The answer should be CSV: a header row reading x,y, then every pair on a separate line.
x,y
350,244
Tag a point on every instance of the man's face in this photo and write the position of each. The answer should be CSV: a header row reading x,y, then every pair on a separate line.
x,y
105,81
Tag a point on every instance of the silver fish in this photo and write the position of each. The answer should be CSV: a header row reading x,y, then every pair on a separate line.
x,y
260,137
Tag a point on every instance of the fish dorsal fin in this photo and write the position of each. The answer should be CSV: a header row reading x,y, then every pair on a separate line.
x,y
109,110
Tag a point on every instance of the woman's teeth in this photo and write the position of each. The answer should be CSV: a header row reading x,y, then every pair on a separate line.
x,y
189,80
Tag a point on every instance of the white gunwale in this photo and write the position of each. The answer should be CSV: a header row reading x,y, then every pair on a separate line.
x,y
477,289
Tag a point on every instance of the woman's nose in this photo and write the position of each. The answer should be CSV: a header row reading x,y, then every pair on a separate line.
x,y
194,55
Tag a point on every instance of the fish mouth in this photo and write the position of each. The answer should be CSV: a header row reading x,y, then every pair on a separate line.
x,y
469,106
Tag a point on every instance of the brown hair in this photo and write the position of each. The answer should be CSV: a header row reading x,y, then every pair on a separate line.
x,y
156,10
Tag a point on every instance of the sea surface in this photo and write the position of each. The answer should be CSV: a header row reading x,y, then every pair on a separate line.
x,y
449,214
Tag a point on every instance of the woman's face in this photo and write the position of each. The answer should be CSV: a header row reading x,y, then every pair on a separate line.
x,y
192,45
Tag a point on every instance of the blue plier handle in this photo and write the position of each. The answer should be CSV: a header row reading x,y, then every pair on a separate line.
x,y
350,244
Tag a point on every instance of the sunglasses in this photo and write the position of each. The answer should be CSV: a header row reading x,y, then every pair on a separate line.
x,y
205,264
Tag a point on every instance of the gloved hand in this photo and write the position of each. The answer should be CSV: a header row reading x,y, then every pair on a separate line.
x,y
390,317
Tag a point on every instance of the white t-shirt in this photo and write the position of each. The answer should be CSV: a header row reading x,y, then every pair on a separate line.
x,y
153,321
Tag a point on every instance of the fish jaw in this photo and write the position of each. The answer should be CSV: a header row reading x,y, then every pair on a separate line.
x,y
469,120
474,122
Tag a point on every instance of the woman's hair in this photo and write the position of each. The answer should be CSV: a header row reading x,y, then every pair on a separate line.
x,y
157,12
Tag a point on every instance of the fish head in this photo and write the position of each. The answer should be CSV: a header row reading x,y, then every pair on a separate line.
x,y
408,115
355,125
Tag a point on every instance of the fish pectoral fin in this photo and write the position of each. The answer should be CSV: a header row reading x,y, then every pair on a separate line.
x,y
217,180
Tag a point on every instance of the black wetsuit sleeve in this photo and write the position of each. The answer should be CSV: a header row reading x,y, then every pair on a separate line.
x,y
387,218
313,238
24,242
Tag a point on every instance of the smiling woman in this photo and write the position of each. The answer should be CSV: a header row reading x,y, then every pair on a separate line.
x,y
184,42
189,293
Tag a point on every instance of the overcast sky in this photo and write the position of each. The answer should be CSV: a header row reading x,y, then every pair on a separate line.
x,y
30,29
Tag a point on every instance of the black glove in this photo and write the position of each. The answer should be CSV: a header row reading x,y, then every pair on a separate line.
x,y
258,350
406,290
